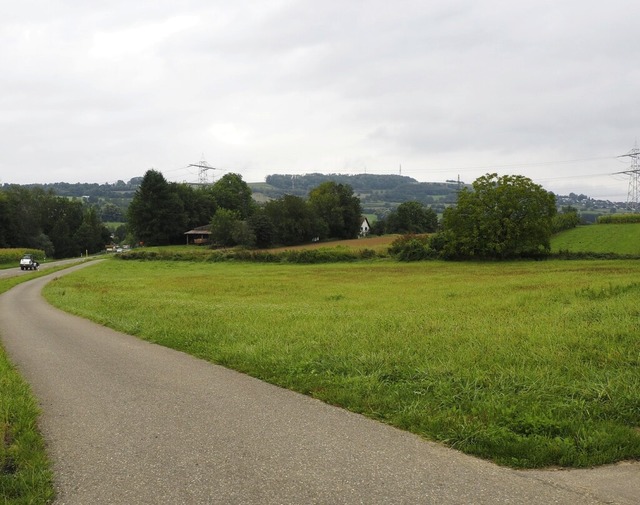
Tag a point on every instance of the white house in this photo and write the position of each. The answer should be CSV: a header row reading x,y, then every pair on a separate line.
x,y
364,227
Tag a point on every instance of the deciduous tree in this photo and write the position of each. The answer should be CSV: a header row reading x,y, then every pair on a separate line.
x,y
232,193
412,217
156,213
500,217
292,220
337,209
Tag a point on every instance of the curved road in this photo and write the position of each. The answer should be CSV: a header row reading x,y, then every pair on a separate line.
x,y
12,272
129,422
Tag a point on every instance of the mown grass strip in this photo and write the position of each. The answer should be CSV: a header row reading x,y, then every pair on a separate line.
x,y
529,364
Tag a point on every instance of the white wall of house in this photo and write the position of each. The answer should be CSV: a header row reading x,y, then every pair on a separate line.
x,y
364,227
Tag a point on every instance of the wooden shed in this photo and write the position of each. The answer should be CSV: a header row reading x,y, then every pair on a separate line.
x,y
199,236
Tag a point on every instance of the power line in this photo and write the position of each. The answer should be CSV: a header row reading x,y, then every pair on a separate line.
x,y
515,165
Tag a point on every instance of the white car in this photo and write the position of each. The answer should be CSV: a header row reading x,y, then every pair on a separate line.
x,y
28,262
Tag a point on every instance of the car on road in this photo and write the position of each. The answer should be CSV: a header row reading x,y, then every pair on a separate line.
x,y
28,262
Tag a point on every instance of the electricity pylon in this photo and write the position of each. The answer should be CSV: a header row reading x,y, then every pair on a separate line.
x,y
633,194
203,166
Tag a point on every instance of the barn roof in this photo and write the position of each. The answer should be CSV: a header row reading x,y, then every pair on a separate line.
x,y
200,230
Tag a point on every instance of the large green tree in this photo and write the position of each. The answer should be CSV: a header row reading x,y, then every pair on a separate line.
x,y
156,214
199,204
223,226
263,229
232,193
91,236
499,218
337,210
411,217
62,218
292,220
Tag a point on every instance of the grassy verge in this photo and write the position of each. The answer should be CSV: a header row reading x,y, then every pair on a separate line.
x,y
529,364
25,473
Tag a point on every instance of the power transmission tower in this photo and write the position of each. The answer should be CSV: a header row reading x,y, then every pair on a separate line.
x,y
633,194
203,166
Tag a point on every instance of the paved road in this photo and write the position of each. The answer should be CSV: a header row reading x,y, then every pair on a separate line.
x,y
129,422
12,272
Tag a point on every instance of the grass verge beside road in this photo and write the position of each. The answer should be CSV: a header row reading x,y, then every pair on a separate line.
x,y
25,473
530,364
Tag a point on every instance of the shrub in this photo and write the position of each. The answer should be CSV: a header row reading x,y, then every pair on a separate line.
x,y
310,256
412,248
305,256
565,220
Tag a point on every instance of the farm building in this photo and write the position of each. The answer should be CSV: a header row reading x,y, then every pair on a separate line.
x,y
364,227
199,235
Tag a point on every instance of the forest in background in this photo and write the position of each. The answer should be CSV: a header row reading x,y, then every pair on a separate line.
x,y
379,194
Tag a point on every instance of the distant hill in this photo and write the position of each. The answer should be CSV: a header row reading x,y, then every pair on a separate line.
x,y
378,193
599,238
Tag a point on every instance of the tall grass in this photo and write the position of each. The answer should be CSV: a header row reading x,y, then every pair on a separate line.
x,y
529,364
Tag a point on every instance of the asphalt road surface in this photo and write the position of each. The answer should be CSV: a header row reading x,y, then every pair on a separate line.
x,y
12,272
129,422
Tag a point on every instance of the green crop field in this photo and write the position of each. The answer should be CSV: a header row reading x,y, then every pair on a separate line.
x,y
600,238
529,364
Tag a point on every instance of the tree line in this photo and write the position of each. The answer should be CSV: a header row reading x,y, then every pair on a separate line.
x,y
358,182
161,212
496,218
38,219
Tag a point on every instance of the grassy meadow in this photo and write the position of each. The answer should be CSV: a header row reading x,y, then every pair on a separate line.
x,y
599,238
529,364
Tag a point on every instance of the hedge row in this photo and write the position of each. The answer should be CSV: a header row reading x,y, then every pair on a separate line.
x,y
619,219
14,255
406,248
585,255
307,256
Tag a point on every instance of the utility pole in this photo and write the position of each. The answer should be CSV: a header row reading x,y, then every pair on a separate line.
x,y
633,194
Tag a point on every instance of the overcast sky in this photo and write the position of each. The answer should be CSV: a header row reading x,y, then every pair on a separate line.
x,y
435,89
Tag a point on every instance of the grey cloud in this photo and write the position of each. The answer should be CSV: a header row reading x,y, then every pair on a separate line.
x,y
300,85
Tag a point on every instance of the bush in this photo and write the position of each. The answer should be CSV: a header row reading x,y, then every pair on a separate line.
x,y
305,256
412,248
565,220
311,256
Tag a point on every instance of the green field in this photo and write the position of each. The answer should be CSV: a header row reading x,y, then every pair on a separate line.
x,y
599,238
529,364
